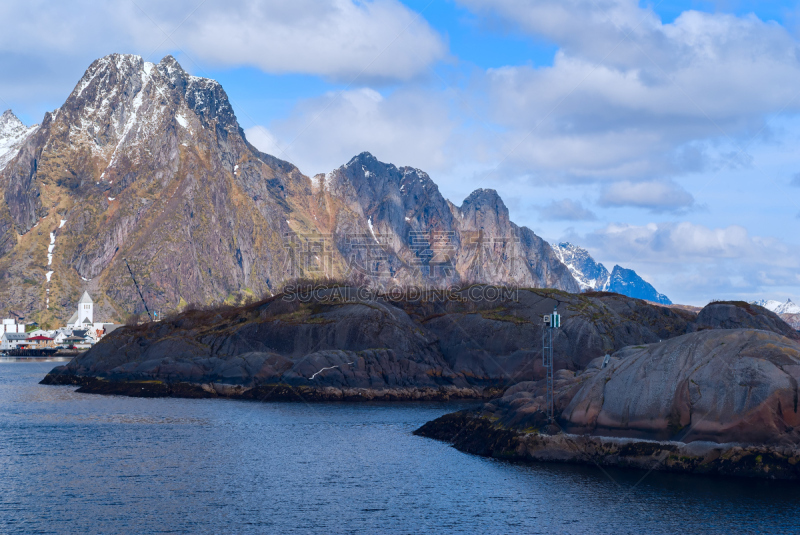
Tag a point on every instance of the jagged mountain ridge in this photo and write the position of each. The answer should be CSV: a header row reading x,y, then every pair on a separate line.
x,y
473,242
592,275
147,163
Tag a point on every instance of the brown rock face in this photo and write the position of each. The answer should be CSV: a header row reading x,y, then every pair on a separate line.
x,y
148,163
722,385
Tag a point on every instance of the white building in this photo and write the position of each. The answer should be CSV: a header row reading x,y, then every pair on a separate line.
x,y
11,326
13,341
42,332
83,321
84,316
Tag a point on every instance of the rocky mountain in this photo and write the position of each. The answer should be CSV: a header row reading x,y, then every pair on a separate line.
x,y
12,134
592,275
148,163
627,282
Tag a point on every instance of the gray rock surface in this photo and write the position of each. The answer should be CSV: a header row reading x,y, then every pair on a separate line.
x,y
720,385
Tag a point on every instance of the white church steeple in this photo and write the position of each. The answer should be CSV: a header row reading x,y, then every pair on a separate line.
x,y
85,309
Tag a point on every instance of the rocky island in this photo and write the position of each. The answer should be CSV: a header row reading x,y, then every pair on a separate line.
x,y
346,343
722,399
713,392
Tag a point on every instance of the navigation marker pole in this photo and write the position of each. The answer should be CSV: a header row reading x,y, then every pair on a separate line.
x,y
551,321
137,289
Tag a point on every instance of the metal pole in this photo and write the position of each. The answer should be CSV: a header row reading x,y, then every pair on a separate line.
x,y
551,322
547,361
137,289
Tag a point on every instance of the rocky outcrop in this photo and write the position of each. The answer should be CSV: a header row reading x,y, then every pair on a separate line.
x,y
741,315
721,385
713,401
477,338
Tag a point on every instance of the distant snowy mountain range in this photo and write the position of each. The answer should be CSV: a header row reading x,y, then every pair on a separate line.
x,y
789,307
593,276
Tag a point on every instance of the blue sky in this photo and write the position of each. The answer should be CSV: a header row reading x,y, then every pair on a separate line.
x,y
662,136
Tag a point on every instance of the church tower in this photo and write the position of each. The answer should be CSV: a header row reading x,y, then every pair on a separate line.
x,y
85,309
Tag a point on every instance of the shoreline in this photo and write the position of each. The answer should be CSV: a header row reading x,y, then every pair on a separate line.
x,y
266,392
482,436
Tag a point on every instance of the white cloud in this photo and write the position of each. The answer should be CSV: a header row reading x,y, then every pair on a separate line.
x,y
335,38
264,140
628,97
657,195
407,127
339,39
566,210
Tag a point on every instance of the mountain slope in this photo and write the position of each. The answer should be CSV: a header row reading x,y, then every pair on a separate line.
x,y
12,134
592,275
147,163
426,238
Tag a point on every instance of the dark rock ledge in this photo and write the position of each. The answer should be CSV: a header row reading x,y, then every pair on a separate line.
x,y
266,392
472,433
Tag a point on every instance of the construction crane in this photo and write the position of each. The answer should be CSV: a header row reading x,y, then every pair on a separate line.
x,y
551,322
137,289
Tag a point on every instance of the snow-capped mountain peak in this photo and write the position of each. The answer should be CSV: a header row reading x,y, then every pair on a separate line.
x,y
589,274
789,307
592,275
12,134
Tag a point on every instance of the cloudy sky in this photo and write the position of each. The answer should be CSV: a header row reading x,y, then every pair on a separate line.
x,y
662,136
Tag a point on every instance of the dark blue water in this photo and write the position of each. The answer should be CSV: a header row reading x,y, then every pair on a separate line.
x,y
73,463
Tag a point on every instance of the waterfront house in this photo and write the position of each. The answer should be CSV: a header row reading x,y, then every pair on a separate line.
x,y
13,341
72,341
42,332
40,342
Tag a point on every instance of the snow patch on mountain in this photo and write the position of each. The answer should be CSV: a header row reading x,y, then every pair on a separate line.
x,y
589,274
12,134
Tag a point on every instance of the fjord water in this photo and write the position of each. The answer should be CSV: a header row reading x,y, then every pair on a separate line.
x,y
74,463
